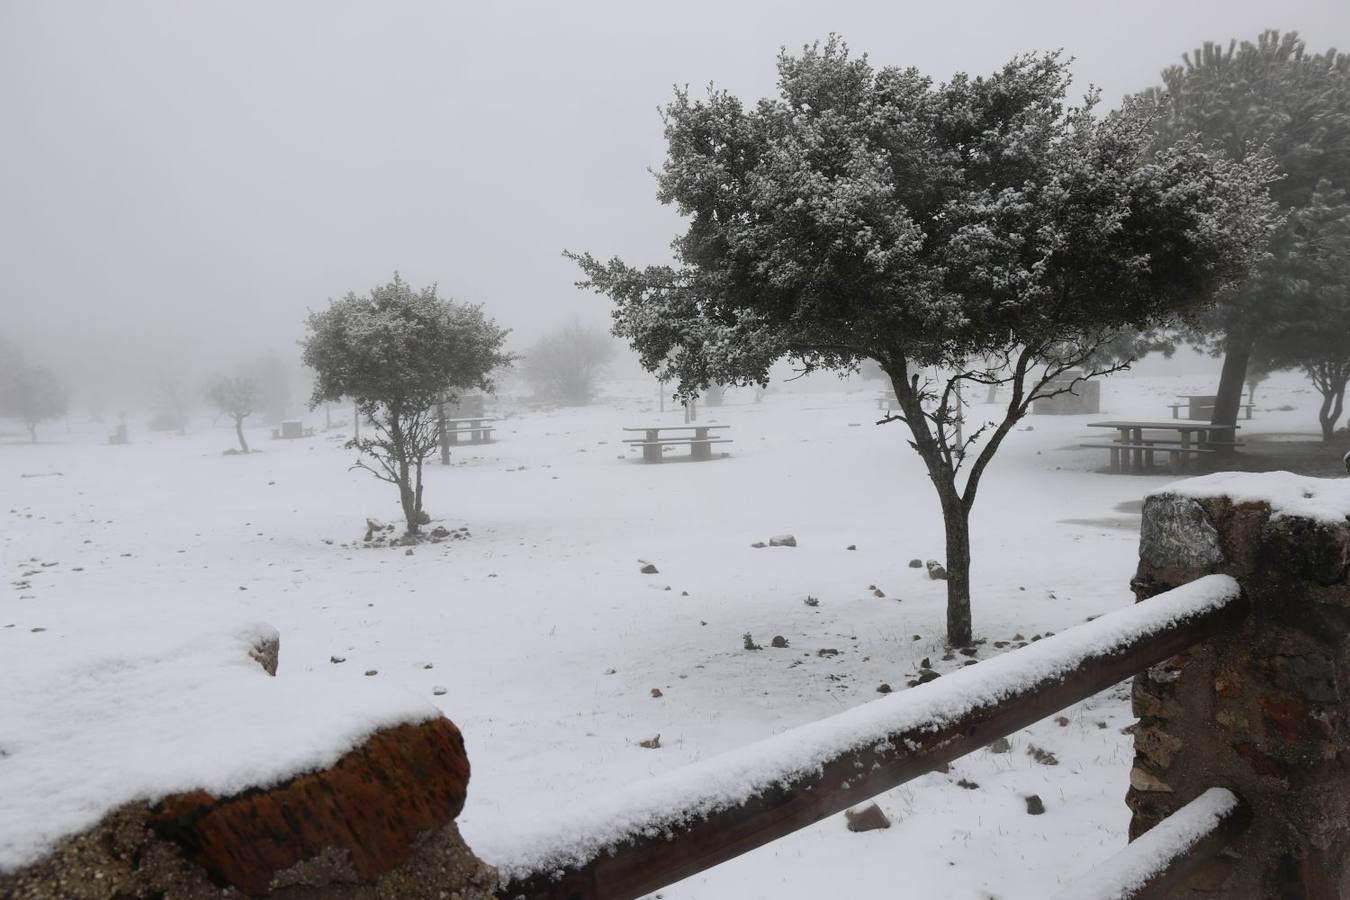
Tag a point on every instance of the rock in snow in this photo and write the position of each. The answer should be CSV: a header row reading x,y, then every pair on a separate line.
x,y
782,540
936,571
870,818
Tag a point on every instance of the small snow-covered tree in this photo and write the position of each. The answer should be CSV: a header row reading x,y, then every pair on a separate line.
x,y
977,231
237,397
399,352
1314,335
562,367
31,394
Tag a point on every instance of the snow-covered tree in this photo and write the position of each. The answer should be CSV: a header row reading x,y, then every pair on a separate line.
x,y
1315,334
562,367
871,214
1270,97
29,393
399,352
237,397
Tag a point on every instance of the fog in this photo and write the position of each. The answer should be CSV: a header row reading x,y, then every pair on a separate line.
x,y
179,182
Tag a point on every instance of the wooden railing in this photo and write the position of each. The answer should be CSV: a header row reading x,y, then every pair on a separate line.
x,y
690,819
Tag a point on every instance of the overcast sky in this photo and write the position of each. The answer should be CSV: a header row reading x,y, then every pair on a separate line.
x,y
180,180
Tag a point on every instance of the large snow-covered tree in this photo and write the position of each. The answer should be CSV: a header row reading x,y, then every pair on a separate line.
x,y
237,397
872,214
1314,335
398,352
1269,97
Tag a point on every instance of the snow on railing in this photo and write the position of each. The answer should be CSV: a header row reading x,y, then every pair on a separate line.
x,y
1162,856
681,823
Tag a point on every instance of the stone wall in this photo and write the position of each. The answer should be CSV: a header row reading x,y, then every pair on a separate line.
x,y
1264,710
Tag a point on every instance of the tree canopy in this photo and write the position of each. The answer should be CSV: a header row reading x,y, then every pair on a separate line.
x,y
872,214
1268,97
30,393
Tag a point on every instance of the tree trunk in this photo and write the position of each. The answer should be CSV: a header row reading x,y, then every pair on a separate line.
x,y
407,498
32,432
442,435
1232,381
957,523
239,432
1333,403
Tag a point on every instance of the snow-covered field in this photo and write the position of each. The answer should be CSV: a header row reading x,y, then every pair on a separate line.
x,y
541,639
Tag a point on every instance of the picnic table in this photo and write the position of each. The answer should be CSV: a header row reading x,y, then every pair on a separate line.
x,y
1134,450
653,442
1201,406
475,427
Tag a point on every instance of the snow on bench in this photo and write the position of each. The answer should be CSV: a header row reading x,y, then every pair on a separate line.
x,y
779,769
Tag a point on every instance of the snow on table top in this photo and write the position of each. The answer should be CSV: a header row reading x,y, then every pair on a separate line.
x,y
1119,877
1324,499
572,838
98,729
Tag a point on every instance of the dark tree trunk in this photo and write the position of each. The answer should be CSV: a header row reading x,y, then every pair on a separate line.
x,y
1333,404
956,520
239,433
442,435
1232,381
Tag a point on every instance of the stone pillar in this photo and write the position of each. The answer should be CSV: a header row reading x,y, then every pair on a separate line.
x,y
1263,710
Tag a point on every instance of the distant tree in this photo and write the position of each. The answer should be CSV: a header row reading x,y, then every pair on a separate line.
x,y
562,367
1274,98
868,214
399,352
1315,335
237,397
30,393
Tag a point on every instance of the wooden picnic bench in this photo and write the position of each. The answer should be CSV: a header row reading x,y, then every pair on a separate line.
x,y
653,443
1201,407
1133,450
474,426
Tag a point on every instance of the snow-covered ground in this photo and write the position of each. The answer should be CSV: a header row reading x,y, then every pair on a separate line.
x,y
541,639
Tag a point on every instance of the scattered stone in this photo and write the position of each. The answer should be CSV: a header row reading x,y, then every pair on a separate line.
x,y
653,743
811,601
408,552
869,819
928,675
37,629
779,642
851,547
1062,721
440,533
827,651
265,652
426,665
656,692
1044,757
936,571
750,642
916,564
782,540
759,545
877,592
968,785
647,569
968,651
610,671
999,745
1034,805
883,688
337,659
437,691
370,672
